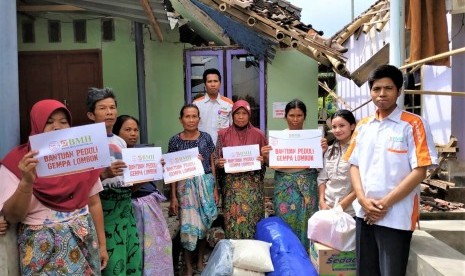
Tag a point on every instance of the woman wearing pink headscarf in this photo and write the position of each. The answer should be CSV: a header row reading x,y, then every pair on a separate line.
x,y
243,193
56,232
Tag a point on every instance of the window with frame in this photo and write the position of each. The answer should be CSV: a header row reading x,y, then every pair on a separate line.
x,y
412,102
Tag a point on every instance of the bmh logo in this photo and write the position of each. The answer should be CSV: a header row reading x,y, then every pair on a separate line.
x,y
54,146
274,142
76,142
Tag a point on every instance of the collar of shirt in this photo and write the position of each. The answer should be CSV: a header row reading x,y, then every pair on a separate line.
x,y
342,146
208,99
394,116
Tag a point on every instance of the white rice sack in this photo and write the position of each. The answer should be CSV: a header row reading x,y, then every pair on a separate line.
x,y
252,255
244,272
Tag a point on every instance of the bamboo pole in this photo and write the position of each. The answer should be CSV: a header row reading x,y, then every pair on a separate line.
x,y
367,26
380,25
433,58
421,92
422,61
333,94
341,38
440,93
362,105
362,19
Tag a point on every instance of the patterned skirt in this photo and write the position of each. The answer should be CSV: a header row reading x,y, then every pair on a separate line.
x,y
198,208
295,200
154,236
243,204
121,233
65,248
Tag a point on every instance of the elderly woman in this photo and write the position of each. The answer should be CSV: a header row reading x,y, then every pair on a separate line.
x,y
195,197
243,193
154,236
295,197
57,233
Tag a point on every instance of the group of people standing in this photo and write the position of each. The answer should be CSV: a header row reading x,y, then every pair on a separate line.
x,y
91,223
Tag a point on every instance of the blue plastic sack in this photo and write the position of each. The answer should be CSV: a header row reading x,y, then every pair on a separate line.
x,y
288,255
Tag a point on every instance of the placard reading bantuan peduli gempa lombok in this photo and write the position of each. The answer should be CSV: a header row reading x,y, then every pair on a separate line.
x,y
143,164
241,159
71,150
295,148
183,164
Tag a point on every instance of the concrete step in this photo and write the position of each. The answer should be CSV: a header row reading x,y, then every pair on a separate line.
x,y
433,257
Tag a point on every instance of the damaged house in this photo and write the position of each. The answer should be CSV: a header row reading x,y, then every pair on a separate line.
x,y
153,52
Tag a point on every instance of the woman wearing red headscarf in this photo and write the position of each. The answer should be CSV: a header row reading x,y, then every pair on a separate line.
x,y
56,233
243,193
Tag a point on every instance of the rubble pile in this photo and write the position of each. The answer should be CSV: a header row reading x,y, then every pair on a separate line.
x,y
282,12
435,188
279,21
431,204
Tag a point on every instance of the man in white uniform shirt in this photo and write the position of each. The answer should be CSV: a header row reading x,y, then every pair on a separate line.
x,y
215,110
389,154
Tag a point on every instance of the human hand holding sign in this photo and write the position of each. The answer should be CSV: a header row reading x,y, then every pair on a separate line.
x,y
116,169
27,167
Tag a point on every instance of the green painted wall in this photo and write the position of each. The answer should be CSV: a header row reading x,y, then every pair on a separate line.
x,y
118,56
291,75
165,90
163,63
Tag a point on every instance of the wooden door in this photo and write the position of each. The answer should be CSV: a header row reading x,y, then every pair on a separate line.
x,y
65,76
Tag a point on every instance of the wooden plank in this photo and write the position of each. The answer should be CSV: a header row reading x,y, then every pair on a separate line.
x,y
447,150
152,20
444,185
360,75
436,169
200,16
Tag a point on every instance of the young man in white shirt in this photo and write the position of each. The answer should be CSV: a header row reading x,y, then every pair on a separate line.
x,y
389,154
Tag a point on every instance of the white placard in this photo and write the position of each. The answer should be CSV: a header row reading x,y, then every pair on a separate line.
x,y
143,164
182,165
71,150
241,159
279,109
296,148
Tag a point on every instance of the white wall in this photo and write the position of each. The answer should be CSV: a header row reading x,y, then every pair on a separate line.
x,y
361,49
437,109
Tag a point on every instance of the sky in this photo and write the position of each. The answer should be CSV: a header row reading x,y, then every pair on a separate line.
x,y
330,16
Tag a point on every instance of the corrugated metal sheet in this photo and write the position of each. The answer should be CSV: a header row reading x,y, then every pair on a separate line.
x,y
129,9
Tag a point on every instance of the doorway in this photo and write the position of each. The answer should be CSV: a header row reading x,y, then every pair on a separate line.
x,y
61,75
243,78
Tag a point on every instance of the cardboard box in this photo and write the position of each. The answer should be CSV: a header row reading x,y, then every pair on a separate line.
x,y
331,262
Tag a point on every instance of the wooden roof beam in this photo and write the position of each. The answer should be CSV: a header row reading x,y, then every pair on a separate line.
x,y
152,19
